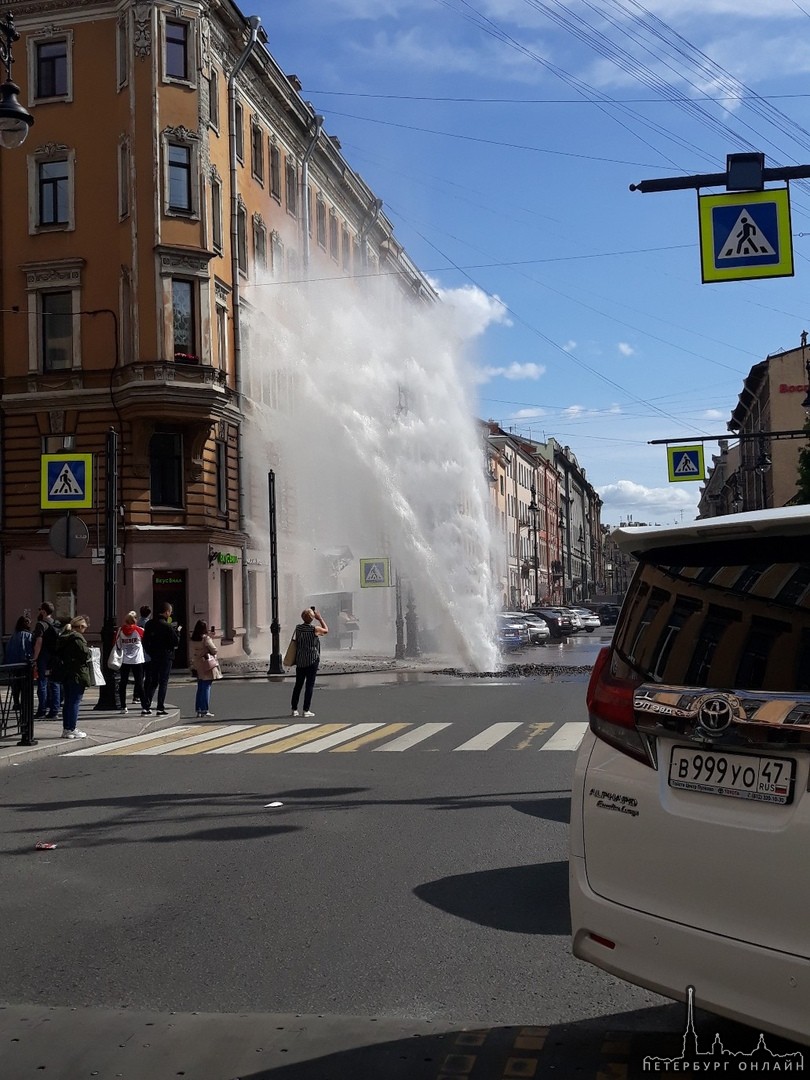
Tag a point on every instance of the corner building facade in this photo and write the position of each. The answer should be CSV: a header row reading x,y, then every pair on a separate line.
x,y
172,164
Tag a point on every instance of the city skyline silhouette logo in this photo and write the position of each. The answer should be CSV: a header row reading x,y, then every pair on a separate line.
x,y
718,1060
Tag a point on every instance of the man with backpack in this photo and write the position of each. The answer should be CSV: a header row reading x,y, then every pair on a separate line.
x,y
49,691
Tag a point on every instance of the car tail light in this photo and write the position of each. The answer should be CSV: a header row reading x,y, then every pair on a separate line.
x,y
610,707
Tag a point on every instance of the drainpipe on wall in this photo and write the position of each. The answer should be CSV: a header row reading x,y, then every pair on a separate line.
x,y
316,124
254,22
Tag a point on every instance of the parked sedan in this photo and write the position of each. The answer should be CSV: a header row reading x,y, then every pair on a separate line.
x,y
513,632
590,621
559,623
539,632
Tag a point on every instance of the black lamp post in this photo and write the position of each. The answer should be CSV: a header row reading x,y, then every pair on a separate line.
x,y
533,511
583,566
15,120
762,466
561,524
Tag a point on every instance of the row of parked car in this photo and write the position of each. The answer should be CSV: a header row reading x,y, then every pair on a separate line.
x,y
519,629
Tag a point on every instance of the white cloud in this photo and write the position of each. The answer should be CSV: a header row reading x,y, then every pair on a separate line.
x,y
569,346
713,414
513,371
474,309
625,349
573,411
628,500
529,414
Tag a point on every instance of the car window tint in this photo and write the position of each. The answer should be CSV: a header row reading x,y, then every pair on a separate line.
x,y
730,624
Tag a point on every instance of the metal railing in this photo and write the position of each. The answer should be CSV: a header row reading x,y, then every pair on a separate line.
x,y
17,703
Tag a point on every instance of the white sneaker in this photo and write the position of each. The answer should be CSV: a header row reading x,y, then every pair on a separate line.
x,y
206,714
123,712
76,734
295,712
309,714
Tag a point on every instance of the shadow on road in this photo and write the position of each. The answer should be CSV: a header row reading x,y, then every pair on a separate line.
x,y
520,899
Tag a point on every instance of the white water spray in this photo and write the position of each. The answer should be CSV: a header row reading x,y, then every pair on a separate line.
x,y
361,403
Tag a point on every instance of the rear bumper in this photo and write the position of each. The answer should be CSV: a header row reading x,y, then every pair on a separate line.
x,y
768,990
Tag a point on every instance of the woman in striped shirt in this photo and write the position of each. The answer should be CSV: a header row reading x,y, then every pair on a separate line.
x,y
307,657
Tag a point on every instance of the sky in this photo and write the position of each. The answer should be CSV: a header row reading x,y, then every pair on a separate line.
x,y
503,137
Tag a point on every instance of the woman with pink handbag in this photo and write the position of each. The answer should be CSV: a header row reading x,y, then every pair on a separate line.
x,y
205,666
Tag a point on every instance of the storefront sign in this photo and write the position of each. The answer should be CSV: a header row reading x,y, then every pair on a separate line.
x,y
228,560
788,388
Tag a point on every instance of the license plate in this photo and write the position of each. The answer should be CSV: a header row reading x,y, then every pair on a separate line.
x,y
740,776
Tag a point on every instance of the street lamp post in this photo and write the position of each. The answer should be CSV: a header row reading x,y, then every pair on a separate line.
x,y
583,566
533,512
15,120
561,526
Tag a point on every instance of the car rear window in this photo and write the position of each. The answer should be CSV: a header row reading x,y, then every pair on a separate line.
x,y
733,615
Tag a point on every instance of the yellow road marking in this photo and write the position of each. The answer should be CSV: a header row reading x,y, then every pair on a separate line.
x,y
372,736
534,731
158,740
224,740
298,740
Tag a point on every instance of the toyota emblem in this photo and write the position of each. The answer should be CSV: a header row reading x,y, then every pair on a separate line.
x,y
715,715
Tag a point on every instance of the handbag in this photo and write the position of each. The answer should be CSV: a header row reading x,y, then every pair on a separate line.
x,y
209,662
116,658
96,674
290,654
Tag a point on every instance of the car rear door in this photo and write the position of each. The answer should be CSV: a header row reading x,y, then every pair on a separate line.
x,y
706,820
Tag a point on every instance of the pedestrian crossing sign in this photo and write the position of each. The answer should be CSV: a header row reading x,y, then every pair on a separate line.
x,y
375,573
686,463
66,482
745,234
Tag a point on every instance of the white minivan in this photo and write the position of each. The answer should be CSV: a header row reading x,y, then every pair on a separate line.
x,y
690,815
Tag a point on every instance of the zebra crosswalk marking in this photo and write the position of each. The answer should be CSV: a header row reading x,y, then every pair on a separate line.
x,y
491,735
335,739
309,738
135,740
206,740
534,731
298,740
411,738
269,733
188,740
568,737
373,736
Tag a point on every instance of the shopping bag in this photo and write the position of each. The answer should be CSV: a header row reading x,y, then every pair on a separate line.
x,y
96,674
115,659
289,655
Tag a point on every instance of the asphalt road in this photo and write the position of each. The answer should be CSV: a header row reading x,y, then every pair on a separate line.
x,y
392,896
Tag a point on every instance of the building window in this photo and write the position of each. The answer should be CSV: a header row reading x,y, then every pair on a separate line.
x,y
292,188
222,336
257,152
177,50
222,477
239,131
260,245
184,320
347,251
320,214
275,171
226,604
276,254
213,99
123,179
241,239
180,178
55,444
56,330
60,589
333,235
54,179
166,469
216,214
52,73
122,51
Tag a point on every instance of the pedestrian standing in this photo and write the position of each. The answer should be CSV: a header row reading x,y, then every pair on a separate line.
x,y
129,639
73,655
145,614
307,657
19,650
49,692
160,640
203,651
